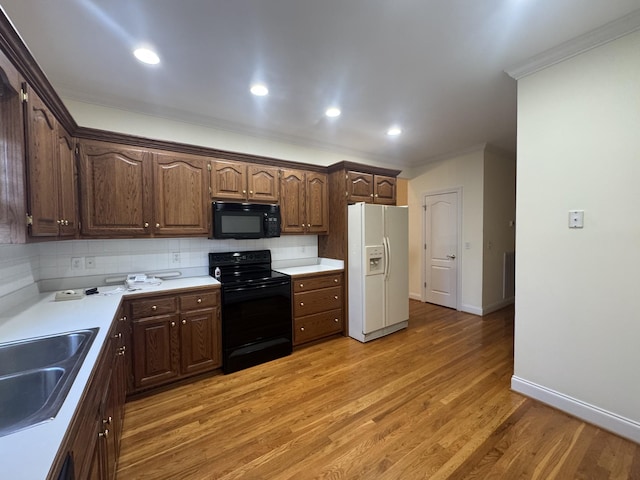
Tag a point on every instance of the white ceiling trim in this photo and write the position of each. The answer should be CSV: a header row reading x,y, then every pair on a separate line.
x,y
605,34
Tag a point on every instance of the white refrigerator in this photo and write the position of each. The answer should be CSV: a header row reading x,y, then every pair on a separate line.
x,y
378,270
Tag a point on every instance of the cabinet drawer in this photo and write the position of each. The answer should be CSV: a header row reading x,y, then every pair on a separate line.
x,y
317,301
153,306
196,301
314,283
316,326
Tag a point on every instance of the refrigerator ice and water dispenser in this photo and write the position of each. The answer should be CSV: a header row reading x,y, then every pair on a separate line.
x,y
375,259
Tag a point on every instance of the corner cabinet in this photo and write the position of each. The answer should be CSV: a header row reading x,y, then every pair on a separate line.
x,y
244,182
51,174
175,336
304,203
127,191
318,306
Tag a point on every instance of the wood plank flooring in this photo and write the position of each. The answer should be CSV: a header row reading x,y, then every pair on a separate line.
x,y
432,401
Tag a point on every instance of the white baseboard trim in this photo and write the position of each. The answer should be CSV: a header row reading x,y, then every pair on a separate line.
x,y
497,306
471,309
415,296
589,413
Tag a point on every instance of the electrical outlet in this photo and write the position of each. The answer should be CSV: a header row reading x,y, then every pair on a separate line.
x,y
90,262
175,257
76,263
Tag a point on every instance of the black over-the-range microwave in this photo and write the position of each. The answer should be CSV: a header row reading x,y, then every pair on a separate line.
x,y
245,220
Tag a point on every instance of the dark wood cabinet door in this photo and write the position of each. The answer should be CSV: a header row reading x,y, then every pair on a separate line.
x,y
115,185
359,187
262,183
317,202
228,180
156,350
292,206
200,335
68,184
181,195
42,166
384,191
13,227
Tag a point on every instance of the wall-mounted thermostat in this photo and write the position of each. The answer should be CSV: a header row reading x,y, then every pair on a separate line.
x,y
576,218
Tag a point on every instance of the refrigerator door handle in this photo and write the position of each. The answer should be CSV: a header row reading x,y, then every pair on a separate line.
x,y
387,255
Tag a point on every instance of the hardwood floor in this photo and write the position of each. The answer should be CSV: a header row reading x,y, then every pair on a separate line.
x,y
432,401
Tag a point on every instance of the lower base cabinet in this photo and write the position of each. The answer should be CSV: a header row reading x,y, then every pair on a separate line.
x,y
318,306
175,336
93,443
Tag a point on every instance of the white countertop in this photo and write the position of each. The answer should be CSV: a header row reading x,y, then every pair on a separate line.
x,y
28,454
322,265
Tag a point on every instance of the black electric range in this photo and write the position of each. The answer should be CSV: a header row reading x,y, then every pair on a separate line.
x,y
256,308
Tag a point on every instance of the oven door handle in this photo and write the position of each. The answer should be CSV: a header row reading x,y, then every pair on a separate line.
x,y
255,286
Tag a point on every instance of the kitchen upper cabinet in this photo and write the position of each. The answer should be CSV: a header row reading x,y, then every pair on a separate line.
x,y
42,166
304,202
115,186
244,182
370,188
13,227
68,183
181,198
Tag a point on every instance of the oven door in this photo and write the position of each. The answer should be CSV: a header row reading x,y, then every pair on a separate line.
x,y
256,323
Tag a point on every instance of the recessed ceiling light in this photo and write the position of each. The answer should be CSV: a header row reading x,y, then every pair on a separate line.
x,y
333,112
394,131
146,56
259,90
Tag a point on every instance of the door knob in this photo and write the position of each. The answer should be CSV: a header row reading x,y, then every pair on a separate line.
x,y
452,257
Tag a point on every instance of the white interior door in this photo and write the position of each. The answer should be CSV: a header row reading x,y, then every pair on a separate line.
x,y
441,249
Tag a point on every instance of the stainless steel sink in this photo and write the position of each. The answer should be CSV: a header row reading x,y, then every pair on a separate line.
x,y
36,375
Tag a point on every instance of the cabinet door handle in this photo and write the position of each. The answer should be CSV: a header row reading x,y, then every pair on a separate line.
x,y
118,335
157,225
336,320
154,308
302,304
107,421
123,318
59,222
104,434
244,191
335,296
302,285
376,195
199,300
173,324
146,224
184,322
335,280
302,329
121,350
251,192
371,195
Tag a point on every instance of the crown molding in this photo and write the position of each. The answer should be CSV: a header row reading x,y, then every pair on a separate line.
x,y
595,38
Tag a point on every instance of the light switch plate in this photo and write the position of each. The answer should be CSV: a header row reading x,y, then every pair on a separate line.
x,y
576,218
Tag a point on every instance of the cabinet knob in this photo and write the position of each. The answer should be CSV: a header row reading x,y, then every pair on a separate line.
x,y
123,318
157,225
199,300
335,296
173,324
66,222
335,280
308,225
302,304
107,421
59,222
154,308
371,195
302,285
251,192
302,329
244,191
121,350
376,195
104,434
184,322
118,335
146,224
336,320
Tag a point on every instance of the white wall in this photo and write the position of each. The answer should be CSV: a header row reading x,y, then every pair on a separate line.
x,y
577,341
464,170
121,121
499,237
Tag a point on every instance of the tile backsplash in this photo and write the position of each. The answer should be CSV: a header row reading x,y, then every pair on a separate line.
x,y
24,265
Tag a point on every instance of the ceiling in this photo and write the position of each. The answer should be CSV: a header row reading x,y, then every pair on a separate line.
x,y
434,67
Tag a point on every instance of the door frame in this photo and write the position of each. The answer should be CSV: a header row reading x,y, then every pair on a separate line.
x,y
423,257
